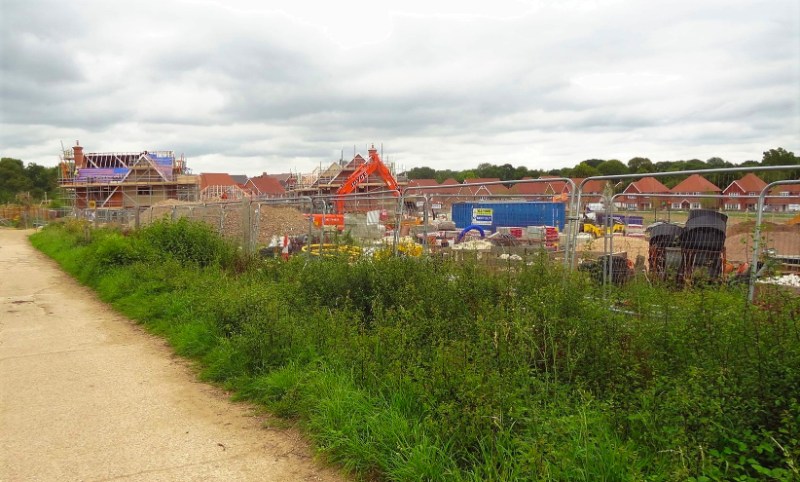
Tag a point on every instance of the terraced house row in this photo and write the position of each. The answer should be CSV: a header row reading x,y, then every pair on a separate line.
x,y
693,192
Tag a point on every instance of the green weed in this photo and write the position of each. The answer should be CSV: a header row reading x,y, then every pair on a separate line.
x,y
426,369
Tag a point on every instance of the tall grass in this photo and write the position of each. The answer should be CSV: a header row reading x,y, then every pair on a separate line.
x,y
424,369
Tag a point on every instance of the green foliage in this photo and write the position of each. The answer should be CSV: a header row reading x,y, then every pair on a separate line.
x,y
584,170
189,242
426,369
612,167
15,178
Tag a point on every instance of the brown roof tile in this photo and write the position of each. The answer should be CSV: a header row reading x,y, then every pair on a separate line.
x,y
748,183
647,185
216,179
695,183
265,185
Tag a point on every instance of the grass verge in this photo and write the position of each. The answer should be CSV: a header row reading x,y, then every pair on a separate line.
x,y
423,369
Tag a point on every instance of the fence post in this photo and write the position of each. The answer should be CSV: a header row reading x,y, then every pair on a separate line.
x,y
751,289
246,228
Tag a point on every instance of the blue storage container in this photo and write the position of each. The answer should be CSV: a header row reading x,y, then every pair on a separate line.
x,y
491,215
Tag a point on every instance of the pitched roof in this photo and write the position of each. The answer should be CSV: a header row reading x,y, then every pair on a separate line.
x,y
239,178
422,183
449,186
793,196
792,189
265,185
282,177
481,180
476,189
595,186
748,183
647,185
216,179
541,188
695,183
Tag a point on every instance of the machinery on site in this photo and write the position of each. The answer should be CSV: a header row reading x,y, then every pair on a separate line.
x,y
597,230
374,165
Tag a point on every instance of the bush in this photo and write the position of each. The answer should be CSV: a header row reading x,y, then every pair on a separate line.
x,y
189,242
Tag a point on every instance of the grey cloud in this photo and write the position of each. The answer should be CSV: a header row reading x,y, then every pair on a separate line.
x,y
227,81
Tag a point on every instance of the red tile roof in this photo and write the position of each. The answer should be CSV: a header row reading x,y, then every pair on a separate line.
x,y
422,183
591,187
481,180
695,183
540,188
265,185
216,179
792,196
647,185
748,183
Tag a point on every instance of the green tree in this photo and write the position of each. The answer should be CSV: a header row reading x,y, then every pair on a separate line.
x,y
13,179
779,157
421,173
506,172
593,162
640,165
696,164
584,170
43,180
612,167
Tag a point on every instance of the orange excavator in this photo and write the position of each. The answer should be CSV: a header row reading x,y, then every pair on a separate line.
x,y
373,166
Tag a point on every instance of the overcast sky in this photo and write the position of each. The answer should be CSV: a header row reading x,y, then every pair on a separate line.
x,y
241,87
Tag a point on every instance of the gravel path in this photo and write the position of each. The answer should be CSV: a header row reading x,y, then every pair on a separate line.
x,y
87,395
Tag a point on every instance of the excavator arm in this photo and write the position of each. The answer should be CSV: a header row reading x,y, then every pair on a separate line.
x,y
360,175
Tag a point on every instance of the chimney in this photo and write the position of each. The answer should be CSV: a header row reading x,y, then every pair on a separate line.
x,y
80,161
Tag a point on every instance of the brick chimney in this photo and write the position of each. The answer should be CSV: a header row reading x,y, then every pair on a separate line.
x,y
80,161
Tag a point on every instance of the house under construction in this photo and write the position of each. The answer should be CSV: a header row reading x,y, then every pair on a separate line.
x,y
124,180
332,180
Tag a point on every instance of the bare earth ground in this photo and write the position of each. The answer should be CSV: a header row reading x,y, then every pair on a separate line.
x,y
87,395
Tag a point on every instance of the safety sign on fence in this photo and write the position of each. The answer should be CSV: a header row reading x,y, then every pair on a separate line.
x,y
482,216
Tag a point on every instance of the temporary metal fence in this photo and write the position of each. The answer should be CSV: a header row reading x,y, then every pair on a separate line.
x,y
704,252
776,252
477,193
410,222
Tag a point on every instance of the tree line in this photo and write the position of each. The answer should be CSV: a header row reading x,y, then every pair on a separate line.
x,y
26,184
610,167
33,183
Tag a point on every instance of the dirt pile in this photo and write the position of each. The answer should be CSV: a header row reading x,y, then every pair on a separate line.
x,y
277,221
227,218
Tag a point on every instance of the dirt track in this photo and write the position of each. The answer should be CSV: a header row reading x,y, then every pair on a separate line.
x,y
87,395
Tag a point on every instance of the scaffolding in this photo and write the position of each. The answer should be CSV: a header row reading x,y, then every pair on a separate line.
x,y
124,180
327,181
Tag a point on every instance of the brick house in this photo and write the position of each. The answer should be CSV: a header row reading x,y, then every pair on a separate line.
x,y
685,194
749,185
784,198
635,190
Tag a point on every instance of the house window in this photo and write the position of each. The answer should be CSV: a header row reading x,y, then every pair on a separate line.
x,y
785,193
734,194
631,206
647,206
676,205
144,190
731,207
695,205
